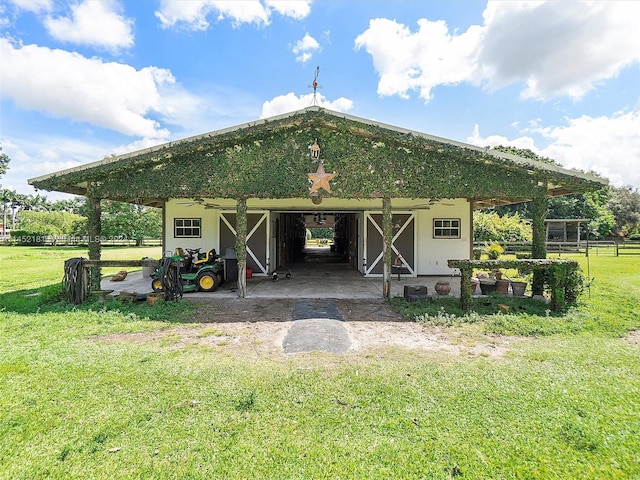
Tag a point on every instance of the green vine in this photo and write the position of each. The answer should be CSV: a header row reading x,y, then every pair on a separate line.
x,y
271,160
241,244
539,245
387,240
94,231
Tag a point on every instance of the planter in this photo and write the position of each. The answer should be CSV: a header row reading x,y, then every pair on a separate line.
x,y
518,288
474,285
487,286
443,288
502,287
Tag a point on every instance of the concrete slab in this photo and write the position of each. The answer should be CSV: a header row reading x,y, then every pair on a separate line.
x,y
307,281
317,335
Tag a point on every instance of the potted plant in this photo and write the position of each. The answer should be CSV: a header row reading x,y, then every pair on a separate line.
x,y
493,250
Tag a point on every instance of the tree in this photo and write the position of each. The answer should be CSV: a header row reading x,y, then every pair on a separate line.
x,y
4,162
126,221
590,205
72,205
47,223
625,205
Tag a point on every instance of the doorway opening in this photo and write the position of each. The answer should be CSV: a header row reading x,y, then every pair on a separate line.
x,y
315,239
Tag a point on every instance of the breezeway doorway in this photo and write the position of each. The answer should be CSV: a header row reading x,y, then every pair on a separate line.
x,y
310,239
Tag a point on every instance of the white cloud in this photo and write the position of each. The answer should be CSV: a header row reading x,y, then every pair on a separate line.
x,y
304,49
94,23
193,14
110,95
297,9
291,102
609,146
558,48
553,48
418,61
495,140
35,6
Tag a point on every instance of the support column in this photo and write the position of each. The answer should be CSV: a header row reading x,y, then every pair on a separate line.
x,y
241,245
94,231
387,238
539,242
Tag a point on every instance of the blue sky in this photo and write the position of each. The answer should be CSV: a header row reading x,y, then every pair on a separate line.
x,y
84,79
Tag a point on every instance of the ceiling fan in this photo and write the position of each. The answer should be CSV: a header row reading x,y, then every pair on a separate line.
x,y
430,203
199,201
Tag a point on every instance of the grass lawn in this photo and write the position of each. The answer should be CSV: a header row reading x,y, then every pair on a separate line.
x,y
564,403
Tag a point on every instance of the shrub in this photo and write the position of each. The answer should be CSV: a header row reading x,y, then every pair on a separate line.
x,y
494,250
491,227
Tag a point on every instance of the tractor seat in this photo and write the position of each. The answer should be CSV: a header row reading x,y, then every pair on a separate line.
x,y
209,257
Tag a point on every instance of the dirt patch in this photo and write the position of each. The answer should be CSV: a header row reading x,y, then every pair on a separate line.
x,y
633,337
258,326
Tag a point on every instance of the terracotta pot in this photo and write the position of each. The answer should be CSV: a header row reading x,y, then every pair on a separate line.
x,y
502,286
443,288
518,288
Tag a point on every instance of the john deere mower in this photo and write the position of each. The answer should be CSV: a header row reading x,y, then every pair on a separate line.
x,y
202,272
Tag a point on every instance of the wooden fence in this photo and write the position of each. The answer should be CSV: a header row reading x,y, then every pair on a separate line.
x,y
597,248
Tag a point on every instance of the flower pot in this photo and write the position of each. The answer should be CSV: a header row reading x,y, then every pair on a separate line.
x,y
443,288
474,285
487,286
518,288
502,286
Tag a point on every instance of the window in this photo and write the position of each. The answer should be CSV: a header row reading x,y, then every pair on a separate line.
x,y
186,227
446,228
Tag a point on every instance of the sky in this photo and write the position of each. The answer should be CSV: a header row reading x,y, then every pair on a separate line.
x,y
81,80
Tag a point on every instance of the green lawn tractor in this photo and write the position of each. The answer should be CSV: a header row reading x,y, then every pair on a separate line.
x,y
202,272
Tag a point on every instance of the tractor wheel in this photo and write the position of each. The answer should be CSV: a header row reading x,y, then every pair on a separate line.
x,y
156,285
207,282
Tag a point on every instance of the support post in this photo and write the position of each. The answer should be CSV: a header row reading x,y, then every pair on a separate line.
x,y
241,245
465,287
387,239
94,231
539,241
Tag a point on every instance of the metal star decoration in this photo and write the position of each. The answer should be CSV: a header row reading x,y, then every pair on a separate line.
x,y
320,179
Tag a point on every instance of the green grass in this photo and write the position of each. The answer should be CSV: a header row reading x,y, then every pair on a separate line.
x,y
563,405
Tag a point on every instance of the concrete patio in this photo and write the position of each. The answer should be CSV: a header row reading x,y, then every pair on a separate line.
x,y
328,280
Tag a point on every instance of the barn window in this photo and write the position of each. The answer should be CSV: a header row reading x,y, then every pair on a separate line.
x,y
446,228
186,227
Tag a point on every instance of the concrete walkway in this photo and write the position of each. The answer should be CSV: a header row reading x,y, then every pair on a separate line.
x,y
318,327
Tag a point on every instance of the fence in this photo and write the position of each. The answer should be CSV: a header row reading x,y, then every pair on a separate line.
x,y
597,248
78,241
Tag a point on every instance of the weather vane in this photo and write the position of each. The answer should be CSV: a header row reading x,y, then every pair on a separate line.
x,y
315,85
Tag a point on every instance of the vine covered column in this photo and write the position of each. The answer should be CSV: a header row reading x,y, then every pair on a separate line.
x,y
539,242
387,239
94,232
241,245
